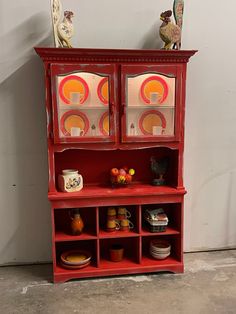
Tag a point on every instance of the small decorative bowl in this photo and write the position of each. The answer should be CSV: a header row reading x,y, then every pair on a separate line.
x,y
75,257
121,177
117,185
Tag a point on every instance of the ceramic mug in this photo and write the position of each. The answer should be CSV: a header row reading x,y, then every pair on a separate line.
x,y
154,98
157,130
123,213
111,213
126,225
75,131
75,98
112,225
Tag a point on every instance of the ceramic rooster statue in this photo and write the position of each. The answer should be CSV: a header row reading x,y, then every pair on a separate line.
x,y
169,32
159,169
63,30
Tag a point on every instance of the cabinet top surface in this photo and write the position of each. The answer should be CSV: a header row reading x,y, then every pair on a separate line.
x,y
116,55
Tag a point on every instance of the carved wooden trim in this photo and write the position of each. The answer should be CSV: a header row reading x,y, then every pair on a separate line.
x,y
105,60
114,55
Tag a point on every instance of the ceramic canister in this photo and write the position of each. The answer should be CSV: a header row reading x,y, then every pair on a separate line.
x,y
70,181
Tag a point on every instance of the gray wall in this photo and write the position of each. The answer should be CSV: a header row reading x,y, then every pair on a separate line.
x,y
210,154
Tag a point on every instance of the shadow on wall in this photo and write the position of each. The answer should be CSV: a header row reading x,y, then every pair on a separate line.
x,y
26,223
37,30
152,39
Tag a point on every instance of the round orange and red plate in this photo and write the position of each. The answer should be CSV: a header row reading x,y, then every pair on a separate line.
x,y
154,84
149,119
74,118
103,91
104,124
70,85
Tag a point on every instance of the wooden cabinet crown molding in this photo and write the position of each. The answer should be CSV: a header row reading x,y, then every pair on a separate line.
x,y
113,55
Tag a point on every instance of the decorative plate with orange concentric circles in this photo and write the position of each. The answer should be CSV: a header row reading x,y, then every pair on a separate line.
x,y
149,119
104,124
71,85
154,84
103,91
76,119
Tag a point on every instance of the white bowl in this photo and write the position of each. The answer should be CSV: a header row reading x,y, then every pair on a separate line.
x,y
160,246
160,256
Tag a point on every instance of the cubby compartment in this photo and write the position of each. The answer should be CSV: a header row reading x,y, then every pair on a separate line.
x,y
89,246
62,224
173,212
86,161
130,253
175,256
131,212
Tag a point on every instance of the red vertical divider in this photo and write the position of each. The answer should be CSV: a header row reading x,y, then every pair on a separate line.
x,y
139,210
54,255
139,215
97,234
98,252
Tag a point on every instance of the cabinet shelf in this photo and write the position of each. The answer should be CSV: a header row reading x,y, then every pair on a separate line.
x,y
61,236
150,107
98,191
127,266
152,262
82,107
117,234
169,231
63,271
124,264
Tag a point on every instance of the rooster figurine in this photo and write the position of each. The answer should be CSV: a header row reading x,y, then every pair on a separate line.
x,y
159,169
63,30
169,32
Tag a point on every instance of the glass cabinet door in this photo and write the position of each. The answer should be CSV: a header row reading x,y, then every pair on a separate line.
x,y
150,103
83,101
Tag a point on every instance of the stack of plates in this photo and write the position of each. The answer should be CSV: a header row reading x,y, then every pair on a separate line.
x,y
75,259
159,249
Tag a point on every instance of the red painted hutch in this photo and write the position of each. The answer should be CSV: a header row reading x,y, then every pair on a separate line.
x,y
108,108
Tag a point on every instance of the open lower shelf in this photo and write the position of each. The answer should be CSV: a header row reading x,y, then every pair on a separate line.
x,y
96,239
132,190
126,266
105,264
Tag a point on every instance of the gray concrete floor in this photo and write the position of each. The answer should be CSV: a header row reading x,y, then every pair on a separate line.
x,y
207,286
